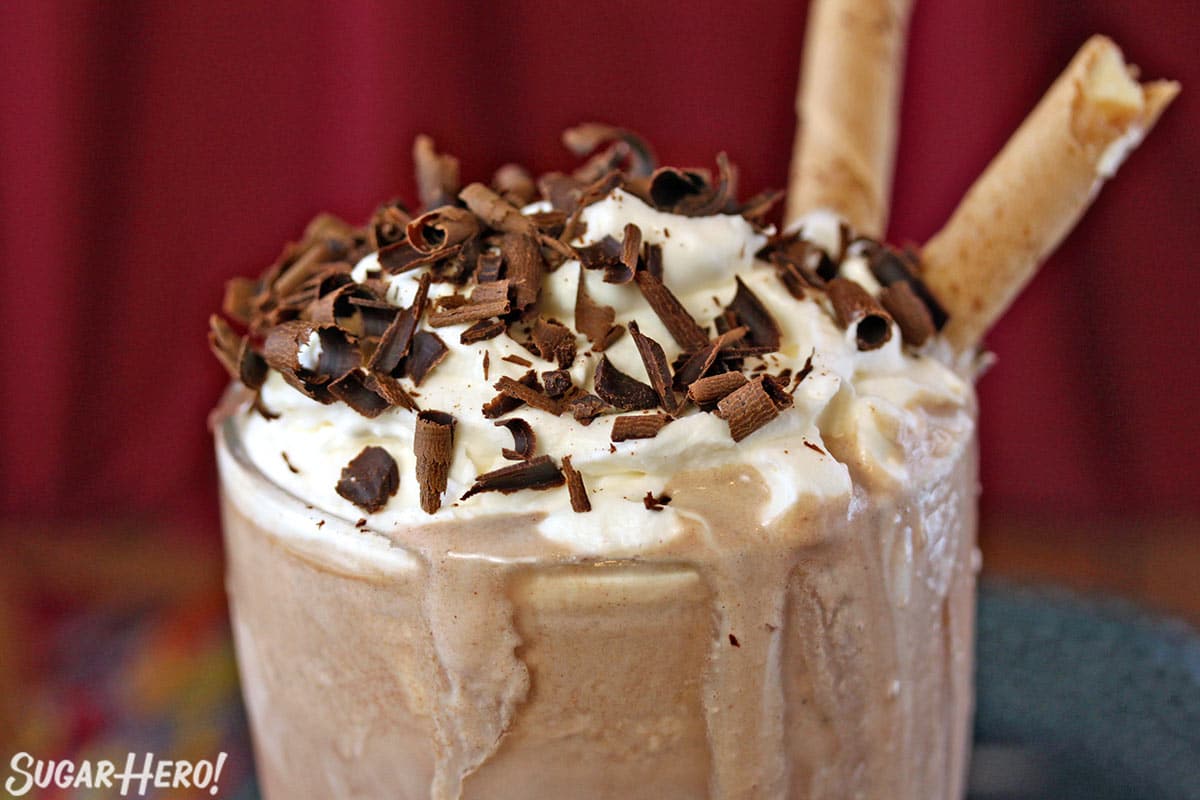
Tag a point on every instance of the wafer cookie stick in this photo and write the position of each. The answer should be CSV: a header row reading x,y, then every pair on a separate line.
x,y
1036,189
847,109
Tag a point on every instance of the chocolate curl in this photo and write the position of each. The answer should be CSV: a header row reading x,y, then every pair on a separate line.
x,y
749,311
525,268
752,406
537,473
706,391
496,212
442,228
587,137
515,185
638,426
595,321
437,174
620,390
655,362
1036,189
911,315
854,306
433,445
524,440
234,353
847,105
370,479
388,224
578,492
684,330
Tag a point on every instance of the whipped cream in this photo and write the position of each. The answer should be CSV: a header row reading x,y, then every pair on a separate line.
x,y
867,417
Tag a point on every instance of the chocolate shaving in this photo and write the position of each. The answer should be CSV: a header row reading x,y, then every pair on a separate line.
x,y
697,365
353,390
593,320
687,334
911,315
655,362
854,306
487,266
561,191
814,448
525,267
669,187
631,248
442,228
515,359
433,445
524,440
515,185
528,391
756,209
496,212
620,390
586,408
370,479
390,389
752,406
554,341
388,224
537,473
578,492
482,330
593,192
338,355
427,351
484,303
748,310
235,354
557,382
706,391
585,138
638,426
503,403
653,503
240,294
805,370
437,174
889,267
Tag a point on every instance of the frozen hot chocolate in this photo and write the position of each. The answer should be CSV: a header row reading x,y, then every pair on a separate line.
x,y
601,486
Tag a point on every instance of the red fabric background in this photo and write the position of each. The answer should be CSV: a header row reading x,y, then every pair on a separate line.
x,y
150,151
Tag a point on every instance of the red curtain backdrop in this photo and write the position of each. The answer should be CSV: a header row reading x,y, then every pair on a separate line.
x,y
151,151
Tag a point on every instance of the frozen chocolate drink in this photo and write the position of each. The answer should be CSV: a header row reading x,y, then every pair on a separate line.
x,y
599,485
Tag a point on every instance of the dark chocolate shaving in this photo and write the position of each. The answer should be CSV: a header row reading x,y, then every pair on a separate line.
x,y
554,342
235,354
593,320
370,479
697,365
578,492
585,138
752,406
557,382
390,389
631,248
482,330
496,212
516,359
561,191
437,174
525,267
395,342
638,426
586,408
388,224
653,503
488,265
353,390
620,390
524,440
528,391
487,301
669,187
442,228
657,370
515,185
687,334
503,403
748,310
889,267
433,445
854,306
912,316
427,351
707,391
537,473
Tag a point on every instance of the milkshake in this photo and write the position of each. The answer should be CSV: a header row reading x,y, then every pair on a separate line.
x,y
599,485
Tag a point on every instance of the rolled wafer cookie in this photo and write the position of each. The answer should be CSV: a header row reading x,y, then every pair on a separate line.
x,y
1038,186
847,106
